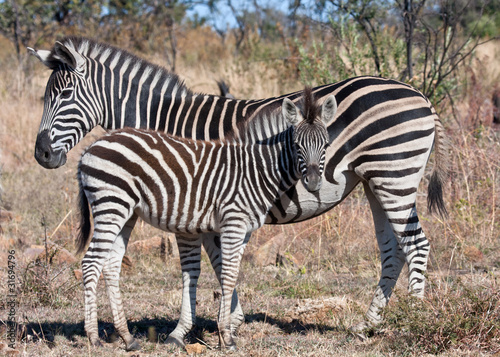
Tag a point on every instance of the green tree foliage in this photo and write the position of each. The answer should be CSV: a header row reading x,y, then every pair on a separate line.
x,y
482,17
23,20
425,43
28,22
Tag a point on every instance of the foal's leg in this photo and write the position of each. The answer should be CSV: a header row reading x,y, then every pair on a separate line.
x,y
211,242
190,257
233,242
111,273
212,247
107,227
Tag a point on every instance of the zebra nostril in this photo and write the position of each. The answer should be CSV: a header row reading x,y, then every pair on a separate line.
x,y
46,155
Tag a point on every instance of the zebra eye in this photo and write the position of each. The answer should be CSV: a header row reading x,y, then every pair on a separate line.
x,y
65,94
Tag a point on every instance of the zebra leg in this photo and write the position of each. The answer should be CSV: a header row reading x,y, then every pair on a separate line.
x,y
111,273
392,259
415,247
233,242
401,216
106,230
399,206
190,257
212,247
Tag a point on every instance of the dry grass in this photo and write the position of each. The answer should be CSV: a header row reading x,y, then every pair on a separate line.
x,y
337,252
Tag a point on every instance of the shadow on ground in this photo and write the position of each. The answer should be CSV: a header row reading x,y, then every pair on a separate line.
x,y
154,329
295,326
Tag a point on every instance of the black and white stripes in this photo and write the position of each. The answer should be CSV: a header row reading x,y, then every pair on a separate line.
x,y
381,137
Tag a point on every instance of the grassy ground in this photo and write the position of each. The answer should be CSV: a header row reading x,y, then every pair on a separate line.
x,y
302,310
287,314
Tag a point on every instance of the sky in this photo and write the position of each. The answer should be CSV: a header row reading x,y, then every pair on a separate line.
x,y
224,18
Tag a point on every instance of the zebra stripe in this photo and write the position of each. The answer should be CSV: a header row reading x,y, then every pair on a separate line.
x,y
382,137
191,187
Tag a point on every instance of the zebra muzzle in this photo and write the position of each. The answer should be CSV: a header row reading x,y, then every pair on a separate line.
x,y
45,155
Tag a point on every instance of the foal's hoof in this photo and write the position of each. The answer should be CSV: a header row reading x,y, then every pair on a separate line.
x,y
95,342
171,340
362,330
133,346
227,347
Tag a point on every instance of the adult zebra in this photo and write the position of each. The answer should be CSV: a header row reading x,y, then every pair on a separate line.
x,y
192,187
382,137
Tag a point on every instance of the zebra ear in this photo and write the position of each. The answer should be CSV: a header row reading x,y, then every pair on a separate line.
x,y
69,56
329,109
290,112
42,55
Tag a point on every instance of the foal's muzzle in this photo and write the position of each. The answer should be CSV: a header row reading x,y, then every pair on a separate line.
x,y
312,179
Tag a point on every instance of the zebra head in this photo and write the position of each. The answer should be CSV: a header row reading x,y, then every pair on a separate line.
x,y
69,109
310,136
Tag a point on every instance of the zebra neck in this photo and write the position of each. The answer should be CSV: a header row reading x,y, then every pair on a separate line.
x,y
154,99
174,111
138,104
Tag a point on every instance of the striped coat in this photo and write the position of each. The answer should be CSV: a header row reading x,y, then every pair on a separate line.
x,y
192,187
382,138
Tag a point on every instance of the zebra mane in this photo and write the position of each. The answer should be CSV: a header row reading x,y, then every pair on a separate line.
x,y
271,121
105,54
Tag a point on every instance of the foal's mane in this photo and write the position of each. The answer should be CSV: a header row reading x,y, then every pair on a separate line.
x,y
310,107
270,121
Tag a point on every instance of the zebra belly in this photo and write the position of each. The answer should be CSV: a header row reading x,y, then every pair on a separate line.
x,y
298,204
178,224
199,223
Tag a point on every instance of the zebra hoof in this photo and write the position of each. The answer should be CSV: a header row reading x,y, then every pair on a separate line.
x,y
171,340
133,346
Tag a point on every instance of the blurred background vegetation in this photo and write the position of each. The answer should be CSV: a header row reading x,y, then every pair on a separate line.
x,y
425,42
447,49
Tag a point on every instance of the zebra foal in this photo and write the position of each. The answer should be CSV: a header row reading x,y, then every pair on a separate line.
x,y
189,188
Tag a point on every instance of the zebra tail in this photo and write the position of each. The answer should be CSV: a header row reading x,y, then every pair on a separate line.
x,y
440,173
84,235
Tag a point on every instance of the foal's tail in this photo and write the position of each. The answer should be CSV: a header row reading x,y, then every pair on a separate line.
x,y
441,170
85,226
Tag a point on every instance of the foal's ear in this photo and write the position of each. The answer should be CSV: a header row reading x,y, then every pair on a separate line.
x,y
291,112
329,109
